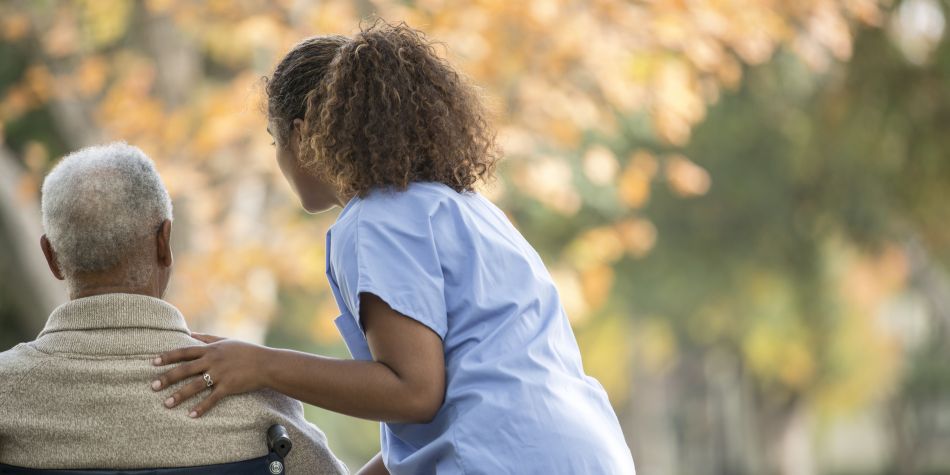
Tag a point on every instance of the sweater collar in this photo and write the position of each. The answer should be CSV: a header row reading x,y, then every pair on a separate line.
x,y
113,324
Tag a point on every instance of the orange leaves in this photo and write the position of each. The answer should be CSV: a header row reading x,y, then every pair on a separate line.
x,y
91,75
586,282
600,165
14,26
867,11
550,181
677,102
16,101
638,236
234,44
686,178
35,157
36,88
704,53
39,86
597,284
597,246
561,72
634,186
607,244
560,65
62,38
159,6
223,122
583,292
869,280
337,18
571,293
39,82
128,109
206,135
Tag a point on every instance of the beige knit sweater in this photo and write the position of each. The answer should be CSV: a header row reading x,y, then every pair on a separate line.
x,y
79,397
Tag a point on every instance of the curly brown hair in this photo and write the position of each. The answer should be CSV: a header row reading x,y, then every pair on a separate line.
x,y
382,109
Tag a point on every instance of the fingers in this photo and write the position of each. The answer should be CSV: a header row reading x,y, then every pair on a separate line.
x,y
207,403
180,373
186,392
182,354
206,338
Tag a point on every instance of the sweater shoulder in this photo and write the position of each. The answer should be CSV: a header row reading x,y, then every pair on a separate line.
x,y
15,364
18,360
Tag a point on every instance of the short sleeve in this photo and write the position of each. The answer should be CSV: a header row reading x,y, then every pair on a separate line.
x,y
398,261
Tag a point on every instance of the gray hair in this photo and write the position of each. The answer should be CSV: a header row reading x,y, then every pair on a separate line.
x,y
99,203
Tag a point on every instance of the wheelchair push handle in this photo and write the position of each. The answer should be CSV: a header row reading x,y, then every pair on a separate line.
x,y
278,441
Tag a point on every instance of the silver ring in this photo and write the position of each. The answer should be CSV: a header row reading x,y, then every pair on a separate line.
x,y
208,381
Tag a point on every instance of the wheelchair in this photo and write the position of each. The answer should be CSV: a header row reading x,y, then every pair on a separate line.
x,y
278,445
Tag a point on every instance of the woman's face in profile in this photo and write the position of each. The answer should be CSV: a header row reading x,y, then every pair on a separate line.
x,y
315,194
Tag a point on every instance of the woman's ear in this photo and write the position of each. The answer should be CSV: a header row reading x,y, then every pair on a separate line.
x,y
163,241
296,133
51,258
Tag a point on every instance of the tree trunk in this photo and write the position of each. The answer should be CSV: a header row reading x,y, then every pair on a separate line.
x,y
648,422
31,289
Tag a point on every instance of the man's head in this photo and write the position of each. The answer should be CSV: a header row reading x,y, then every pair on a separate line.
x,y
107,218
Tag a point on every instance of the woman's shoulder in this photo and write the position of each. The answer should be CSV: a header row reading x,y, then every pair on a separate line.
x,y
419,201
417,193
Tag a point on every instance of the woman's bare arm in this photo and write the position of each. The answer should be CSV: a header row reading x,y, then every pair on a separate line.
x,y
374,467
404,383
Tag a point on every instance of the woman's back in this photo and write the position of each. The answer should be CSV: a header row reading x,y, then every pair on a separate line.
x,y
516,393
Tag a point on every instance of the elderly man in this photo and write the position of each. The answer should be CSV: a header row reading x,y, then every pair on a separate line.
x,y
79,396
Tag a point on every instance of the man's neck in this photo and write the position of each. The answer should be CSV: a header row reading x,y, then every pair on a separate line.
x,y
88,285
119,280
82,292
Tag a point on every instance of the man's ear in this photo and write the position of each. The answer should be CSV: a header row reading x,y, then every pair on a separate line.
x,y
51,258
163,241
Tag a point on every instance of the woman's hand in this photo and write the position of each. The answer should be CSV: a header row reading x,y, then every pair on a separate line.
x,y
234,367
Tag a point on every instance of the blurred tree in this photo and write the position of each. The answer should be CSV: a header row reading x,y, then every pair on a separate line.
x,y
29,298
178,79
759,292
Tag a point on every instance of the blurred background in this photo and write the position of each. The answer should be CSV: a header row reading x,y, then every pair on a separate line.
x,y
744,202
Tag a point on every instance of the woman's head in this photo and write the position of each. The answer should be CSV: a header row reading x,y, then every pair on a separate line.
x,y
381,109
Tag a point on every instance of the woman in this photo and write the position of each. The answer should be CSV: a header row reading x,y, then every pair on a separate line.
x,y
461,346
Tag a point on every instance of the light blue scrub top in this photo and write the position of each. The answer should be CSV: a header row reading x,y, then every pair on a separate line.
x,y
517,399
